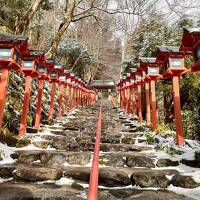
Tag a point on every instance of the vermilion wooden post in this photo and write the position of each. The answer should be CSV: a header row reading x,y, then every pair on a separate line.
x,y
148,111
22,128
75,97
71,97
60,101
39,103
128,100
3,92
124,98
139,104
133,101
66,99
52,101
177,111
153,106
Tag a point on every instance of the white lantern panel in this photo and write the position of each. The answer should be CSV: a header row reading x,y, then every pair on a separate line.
x,y
176,63
54,74
153,70
28,64
138,77
5,54
42,69
62,78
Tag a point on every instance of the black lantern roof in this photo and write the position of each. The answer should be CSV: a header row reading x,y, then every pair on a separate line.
x,y
172,49
147,60
12,38
20,42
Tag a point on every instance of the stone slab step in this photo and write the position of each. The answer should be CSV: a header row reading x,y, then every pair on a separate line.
x,y
24,191
118,177
115,159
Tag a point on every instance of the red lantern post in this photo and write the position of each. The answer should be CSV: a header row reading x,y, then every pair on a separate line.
x,y
43,75
62,82
29,67
174,67
54,78
10,49
138,84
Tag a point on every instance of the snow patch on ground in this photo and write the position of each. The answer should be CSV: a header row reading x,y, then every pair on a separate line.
x,y
5,180
6,151
192,193
64,181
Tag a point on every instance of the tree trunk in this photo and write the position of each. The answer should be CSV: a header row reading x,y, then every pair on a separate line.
x,y
25,20
62,29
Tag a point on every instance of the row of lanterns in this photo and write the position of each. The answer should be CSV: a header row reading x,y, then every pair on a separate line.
x,y
15,55
169,63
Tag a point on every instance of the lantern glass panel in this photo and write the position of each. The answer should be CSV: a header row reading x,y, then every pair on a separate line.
x,y
176,63
58,66
73,82
5,54
138,77
62,78
28,64
132,81
53,74
42,69
153,70
68,80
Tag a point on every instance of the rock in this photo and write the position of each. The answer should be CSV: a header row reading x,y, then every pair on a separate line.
x,y
191,163
112,160
6,171
27,158
45,157
127,140
79,158
197,156
60,144
166,163
77,186
156,195
139,161
41,144
78,173
112,177
48,137
123,147
123,193
184,181
150,180
110,139
34,174
31,130
57,159
12,191
105,195
23,143
109,177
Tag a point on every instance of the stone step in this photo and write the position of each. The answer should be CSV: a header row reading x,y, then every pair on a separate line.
x,y
108,176
115,159
13,191
24,191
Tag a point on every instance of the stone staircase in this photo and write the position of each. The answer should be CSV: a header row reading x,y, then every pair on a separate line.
x,y
57,163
